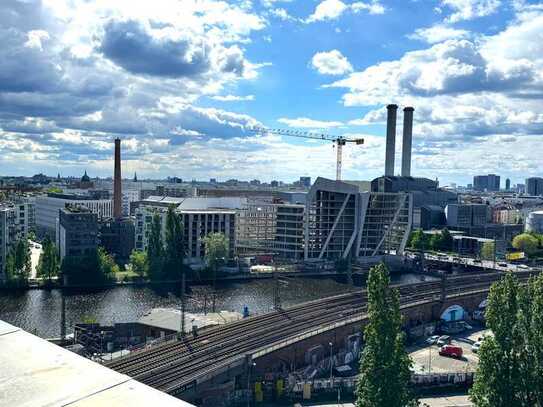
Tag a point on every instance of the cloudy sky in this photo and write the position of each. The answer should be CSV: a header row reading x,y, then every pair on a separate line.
x,y
182,82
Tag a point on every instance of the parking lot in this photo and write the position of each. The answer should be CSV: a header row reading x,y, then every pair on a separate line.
x,y
426,357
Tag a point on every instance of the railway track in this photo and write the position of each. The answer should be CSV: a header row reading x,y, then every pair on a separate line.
x,y
170,366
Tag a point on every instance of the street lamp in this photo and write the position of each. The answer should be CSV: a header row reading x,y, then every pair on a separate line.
x,y
331,361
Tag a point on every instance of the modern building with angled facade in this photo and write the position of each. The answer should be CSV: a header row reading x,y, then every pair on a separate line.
x,y
343,222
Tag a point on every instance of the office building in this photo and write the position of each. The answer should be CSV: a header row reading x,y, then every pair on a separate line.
x,y
77,231
305,182
117,237
15,223
466,215
534,186
48,206
197,224
490,183
507,184
129,196
534,222
274,228
342,222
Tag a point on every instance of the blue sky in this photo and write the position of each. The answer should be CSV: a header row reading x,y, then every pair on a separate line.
x,y
182,82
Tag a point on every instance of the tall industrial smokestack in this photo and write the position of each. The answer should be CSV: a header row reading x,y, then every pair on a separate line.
x,y
117,192
391,139
407,141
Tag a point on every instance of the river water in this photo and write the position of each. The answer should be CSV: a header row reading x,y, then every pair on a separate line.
x,y
38,311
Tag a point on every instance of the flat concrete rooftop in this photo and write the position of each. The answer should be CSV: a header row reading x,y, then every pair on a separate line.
x,y
34,372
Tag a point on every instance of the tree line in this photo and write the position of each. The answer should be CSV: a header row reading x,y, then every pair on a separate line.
x,y
442,241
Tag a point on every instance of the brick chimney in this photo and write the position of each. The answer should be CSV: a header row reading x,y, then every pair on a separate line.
x,y
117,188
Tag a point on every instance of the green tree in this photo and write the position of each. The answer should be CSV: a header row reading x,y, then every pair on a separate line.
x,y
216,251
530,322
49,264
435,242
384,366
106,264
155,249
498,378
487,251
18,265
23,263
446,240
526,243
418,240
174,246
138,263
94,268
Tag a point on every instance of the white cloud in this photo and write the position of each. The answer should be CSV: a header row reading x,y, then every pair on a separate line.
x,y
331,63
477,103
35,38
282,14
373,7
327,10
233,98
306,123
333,9
438,33
470,9
272,3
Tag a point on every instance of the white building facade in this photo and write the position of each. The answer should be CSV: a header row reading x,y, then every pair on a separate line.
x,y
15,223
47,209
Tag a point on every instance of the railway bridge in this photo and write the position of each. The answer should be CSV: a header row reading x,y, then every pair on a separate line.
x,y
225,357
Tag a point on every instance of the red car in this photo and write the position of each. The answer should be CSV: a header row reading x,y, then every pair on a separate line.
x,y
451,351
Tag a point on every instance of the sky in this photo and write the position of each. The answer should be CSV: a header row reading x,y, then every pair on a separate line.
x,y
184,83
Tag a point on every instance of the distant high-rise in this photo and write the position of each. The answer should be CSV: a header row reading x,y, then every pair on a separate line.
x,y
507,184
305,182
534,186
490,182
117,186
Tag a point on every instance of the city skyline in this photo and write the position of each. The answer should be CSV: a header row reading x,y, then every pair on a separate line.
x,y
181,82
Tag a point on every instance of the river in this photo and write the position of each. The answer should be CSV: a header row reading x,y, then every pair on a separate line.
x,y
38,311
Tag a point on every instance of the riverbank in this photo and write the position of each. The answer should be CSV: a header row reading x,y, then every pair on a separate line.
x,y
239,277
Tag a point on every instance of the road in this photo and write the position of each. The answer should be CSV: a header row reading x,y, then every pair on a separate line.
x,y
470,261
35,252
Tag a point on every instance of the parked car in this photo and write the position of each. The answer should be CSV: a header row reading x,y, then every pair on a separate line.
x,y
475,347
477,261
443,340
432,340
523,266
451,351
502,264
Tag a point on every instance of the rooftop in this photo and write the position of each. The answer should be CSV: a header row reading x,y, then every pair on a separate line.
x,y
169,318
35,372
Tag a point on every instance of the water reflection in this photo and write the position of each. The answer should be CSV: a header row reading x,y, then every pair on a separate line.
x,y
38,311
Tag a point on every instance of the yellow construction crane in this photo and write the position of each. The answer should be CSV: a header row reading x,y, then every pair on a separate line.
x,y
338,141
